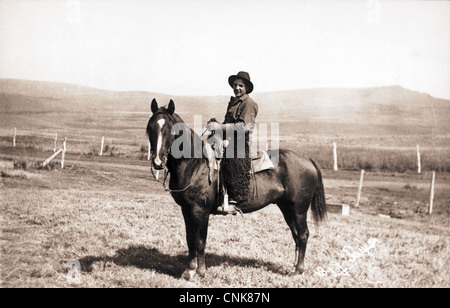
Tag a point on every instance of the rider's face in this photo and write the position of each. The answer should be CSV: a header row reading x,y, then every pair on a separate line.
x,y
239,87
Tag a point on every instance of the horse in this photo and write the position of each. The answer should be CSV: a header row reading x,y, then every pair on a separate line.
x,y
294,185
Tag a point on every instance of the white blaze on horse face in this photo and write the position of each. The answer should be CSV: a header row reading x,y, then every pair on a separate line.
x,y
158,161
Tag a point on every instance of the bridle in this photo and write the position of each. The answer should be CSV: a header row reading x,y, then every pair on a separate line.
x,y
166,174
166,170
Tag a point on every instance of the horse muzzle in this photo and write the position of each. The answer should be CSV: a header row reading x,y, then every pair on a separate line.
x,y
159,164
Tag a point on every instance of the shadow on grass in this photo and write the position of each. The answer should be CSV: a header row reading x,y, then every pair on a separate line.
x,y
151,258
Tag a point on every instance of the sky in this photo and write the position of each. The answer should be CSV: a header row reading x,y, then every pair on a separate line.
x,y
191,47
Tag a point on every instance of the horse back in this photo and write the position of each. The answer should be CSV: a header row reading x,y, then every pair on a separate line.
x,y
293,178
293,164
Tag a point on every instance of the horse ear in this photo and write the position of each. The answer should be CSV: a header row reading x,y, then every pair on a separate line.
x,y
154,106
171,107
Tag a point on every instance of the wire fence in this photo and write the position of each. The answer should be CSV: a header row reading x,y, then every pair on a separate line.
x,y
330,157
77,143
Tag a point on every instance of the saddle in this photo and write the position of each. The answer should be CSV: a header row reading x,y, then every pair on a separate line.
x,y
214,152
260,162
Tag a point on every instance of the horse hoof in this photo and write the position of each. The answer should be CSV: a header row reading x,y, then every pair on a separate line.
x,y
188,274
201,274
295,273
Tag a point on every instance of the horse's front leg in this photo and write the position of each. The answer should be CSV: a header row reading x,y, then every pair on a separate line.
x,y
190,238
196,233
200,240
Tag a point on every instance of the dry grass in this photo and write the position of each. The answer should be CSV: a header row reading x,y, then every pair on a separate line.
x,y
127,232
352,154
393,159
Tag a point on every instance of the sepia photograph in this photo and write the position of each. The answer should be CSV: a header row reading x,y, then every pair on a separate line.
x,y
223,149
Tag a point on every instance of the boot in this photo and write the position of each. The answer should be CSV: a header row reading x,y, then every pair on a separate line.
x,y
228,206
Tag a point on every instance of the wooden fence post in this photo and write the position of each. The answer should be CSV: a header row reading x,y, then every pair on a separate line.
x,y
360,188
335,167
14,139
418,160
54,146
51,157
63,152
345,210
103,142
430,209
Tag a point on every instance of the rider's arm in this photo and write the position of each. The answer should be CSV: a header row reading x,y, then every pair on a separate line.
x,y
239,127
246,119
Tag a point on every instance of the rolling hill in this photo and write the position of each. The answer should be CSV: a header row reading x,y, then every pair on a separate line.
x,y
379,110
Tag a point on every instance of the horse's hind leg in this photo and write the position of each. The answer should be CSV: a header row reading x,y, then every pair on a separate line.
x,y
302,240
295,216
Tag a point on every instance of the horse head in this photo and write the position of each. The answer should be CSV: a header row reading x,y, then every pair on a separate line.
x,y
159,133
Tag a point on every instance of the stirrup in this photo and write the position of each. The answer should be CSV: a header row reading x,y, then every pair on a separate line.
x,y
228,207
231,210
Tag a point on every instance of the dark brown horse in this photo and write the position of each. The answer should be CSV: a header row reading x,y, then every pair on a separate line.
x,y
294,185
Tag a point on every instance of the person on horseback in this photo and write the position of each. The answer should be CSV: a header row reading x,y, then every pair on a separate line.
x,y
237,126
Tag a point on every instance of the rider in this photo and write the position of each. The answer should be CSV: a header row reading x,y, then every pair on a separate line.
x,y
238,125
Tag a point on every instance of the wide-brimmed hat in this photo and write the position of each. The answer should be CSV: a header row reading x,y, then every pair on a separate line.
x,y
244,76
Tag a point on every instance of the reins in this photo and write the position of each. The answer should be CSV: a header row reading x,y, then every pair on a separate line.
x,y
166,170
166,173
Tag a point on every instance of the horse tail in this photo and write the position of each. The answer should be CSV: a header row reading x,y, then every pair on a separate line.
x,y
318,205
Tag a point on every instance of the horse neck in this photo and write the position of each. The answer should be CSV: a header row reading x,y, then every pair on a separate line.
x,y
186,165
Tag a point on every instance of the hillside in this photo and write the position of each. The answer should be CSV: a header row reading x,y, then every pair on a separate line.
x,y
24,95
384,106
345,111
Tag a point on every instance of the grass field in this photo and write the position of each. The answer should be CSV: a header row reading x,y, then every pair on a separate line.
x,y
111,216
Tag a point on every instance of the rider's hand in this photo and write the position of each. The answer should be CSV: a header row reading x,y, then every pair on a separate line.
x,y
213,126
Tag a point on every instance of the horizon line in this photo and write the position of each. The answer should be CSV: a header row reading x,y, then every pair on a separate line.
x,y
219,95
